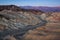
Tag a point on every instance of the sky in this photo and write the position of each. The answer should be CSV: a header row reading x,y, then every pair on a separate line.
x,y
31,2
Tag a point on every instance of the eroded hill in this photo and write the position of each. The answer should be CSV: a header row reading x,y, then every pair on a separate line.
x,y
23,24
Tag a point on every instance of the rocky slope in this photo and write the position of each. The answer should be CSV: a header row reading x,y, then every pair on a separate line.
x,y
51,31
54,17
15,22
22,24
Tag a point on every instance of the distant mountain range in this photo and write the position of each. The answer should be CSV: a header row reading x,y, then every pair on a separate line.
x,y
17,8
45,9
30,8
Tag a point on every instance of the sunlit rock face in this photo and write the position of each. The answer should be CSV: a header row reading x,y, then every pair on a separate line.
x,y
15,22
51,31
55,17
23,24
17,19
14,16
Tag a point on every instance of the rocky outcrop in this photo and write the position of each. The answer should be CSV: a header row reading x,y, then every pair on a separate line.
x,y
23,24
54,17
51,31
17,22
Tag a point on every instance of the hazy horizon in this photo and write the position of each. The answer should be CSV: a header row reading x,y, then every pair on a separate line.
x,y
47,3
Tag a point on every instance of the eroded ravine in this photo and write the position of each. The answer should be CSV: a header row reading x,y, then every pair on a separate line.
x,y
16,24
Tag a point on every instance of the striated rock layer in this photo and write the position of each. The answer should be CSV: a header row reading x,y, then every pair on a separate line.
x,y
28,24
15,22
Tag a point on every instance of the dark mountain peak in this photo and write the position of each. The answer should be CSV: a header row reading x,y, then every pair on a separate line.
x,y
9,7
